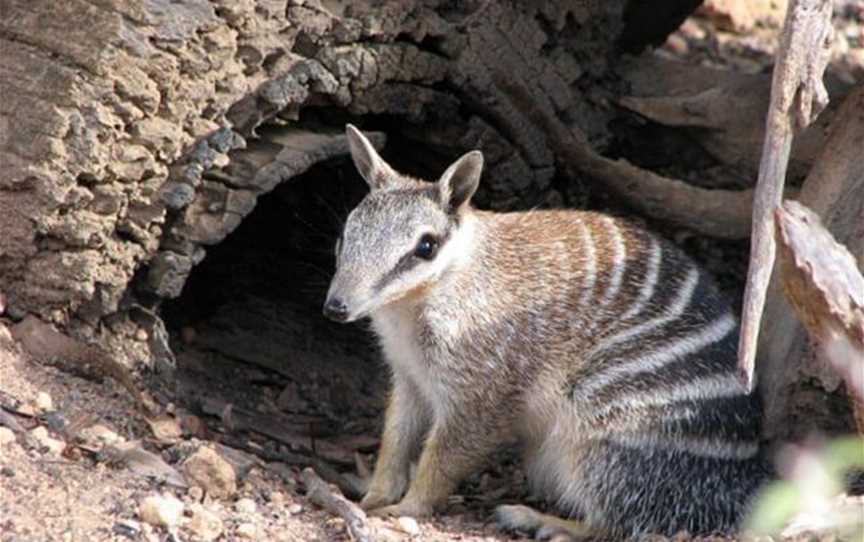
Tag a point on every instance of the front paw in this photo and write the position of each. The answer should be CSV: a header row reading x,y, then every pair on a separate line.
x,y
374,499
407,507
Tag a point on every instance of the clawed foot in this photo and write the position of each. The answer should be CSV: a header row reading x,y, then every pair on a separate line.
x,y
541,526
404,508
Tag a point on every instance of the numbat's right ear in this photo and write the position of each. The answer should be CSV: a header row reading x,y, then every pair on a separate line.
x,y
372,167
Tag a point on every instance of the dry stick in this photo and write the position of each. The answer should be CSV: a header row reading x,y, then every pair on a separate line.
x,y
797,97
320,493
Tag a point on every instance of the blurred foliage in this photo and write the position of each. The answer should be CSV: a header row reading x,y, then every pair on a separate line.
x,y
815,478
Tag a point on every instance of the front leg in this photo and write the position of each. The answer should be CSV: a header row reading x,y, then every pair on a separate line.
x,y
456,447
405,423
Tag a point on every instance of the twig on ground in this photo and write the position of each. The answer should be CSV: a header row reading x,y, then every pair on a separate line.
x,y
321,494
798,95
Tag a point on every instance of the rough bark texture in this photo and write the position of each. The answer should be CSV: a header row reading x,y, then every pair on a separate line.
x,y
795,381
130,133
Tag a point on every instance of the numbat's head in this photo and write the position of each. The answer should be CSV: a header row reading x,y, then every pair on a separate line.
x,y
404,234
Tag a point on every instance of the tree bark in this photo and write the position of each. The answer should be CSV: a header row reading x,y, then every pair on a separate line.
x,y
794,380
131,134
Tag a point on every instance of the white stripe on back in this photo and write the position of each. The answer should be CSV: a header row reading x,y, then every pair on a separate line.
x,y
709,387
619,259
675,310
646,290
590,269
653,360
705,447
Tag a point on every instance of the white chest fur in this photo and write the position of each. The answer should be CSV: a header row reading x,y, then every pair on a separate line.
x,y
398,331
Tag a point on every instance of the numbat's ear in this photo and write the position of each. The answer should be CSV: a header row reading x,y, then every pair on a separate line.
x,y
460,181
372,167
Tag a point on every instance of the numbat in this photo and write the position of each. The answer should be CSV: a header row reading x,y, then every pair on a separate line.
x,y
599,347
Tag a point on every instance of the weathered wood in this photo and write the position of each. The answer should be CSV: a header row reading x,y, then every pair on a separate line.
x,y
127,129
798,95
826,289
723,111
834,190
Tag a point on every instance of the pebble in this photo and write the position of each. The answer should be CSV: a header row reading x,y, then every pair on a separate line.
x,y
277,498
246,530
100,434
141,335
196,493
246,506
161,510
7,472
210,471
408,525
129,528
7,436
295,509
44,440
204,524
43,402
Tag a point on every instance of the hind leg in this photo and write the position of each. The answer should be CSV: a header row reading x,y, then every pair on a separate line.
x,y
542,526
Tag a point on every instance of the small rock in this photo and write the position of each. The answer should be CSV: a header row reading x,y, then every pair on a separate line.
x,y
277,498
129,528
44,440
246,530
141,335
161,510
7,472
210,471
295,509
676,44
408,525
100,434
43,402
245,506
196,493
205,525
7,436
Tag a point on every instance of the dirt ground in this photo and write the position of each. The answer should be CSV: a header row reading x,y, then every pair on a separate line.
x,y
78,461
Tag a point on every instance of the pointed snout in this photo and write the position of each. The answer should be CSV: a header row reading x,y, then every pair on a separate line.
x,y
335,309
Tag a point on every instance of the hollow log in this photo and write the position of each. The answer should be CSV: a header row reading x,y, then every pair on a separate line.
x,y
135,136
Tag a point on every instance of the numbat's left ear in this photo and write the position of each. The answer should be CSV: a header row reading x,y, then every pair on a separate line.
x,y
372,167
460,181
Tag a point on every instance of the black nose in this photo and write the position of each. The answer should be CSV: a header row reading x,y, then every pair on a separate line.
x,y
336,310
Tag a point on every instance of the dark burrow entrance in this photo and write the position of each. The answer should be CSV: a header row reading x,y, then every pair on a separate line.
x,y
249,335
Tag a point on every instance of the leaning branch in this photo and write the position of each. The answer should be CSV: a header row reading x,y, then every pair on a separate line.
x,y
320,493
797,97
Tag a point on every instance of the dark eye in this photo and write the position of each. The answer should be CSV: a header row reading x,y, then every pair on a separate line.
x,y
427,247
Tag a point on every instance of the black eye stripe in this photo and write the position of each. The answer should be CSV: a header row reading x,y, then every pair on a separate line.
x,y
407,262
